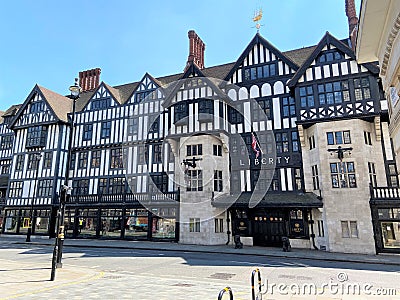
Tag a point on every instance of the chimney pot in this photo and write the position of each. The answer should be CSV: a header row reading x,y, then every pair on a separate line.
x,y
89,79
196,50
352,21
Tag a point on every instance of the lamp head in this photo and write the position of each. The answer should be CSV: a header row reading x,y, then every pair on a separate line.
x,y
75,89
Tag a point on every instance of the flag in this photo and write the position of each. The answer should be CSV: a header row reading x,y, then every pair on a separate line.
x,y
254,145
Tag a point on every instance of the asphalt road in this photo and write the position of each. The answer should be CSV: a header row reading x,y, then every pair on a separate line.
x,y
148,274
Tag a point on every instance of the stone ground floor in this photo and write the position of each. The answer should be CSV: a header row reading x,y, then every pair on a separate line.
x,y
306,227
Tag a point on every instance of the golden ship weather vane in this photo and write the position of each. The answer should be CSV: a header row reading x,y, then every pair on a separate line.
x,y
257,17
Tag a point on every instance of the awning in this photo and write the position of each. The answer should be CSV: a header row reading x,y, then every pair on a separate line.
x,y
284,199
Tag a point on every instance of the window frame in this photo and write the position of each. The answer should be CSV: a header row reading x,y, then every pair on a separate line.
x,y
36,136
217,150
47,159
307,98
315,177
87,132
367,138
80,187
311,141
20,162
16,189
218,225
341,177
194,150
181,111
116,158
349,229
95,158
372,174
105,132
83,157
218,181
133,126
44,188
288,107
194,225
194,179
7,142
100,104
33,161
342,137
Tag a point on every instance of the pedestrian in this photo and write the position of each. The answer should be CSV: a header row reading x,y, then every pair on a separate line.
x,y
104,227
80,225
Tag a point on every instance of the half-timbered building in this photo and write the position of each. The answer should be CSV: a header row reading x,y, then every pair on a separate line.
x,y
274,144
39,159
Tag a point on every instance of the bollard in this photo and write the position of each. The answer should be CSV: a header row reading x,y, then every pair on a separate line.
x,y
238,243
222,292
253,293
286,247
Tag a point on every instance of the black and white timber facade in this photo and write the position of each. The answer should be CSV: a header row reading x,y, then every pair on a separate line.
x,y
331,146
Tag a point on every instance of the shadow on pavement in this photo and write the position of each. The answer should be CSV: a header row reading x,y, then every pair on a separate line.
x,y
210,259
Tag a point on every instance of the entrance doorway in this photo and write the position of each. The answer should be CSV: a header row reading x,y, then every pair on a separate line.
x,y
268,227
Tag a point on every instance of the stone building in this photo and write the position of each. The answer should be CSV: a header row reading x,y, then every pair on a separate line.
x,y
378,41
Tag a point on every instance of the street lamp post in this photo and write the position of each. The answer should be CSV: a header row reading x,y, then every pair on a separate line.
x,y
37,157
65,189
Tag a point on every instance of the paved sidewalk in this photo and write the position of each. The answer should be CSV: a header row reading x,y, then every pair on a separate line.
x,y
389,259
27,280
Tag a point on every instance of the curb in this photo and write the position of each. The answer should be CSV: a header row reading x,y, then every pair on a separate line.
x,y
333,259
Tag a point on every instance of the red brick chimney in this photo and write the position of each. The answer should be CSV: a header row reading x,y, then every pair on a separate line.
x,y
196,50
353,22
89,79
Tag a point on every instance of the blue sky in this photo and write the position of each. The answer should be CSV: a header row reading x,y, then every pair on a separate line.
x,y
49,42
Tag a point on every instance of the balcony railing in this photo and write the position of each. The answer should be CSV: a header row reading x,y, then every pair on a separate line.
x,y
385,193
159,198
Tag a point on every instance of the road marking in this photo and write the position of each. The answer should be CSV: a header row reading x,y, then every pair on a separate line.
x,y
98,276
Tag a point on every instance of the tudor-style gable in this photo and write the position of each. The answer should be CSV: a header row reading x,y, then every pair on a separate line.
x,y
42,106
330,52
260,60
104,97
145,87
330,84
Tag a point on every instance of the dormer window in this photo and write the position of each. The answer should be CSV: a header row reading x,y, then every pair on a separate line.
x,y
140,96
329,56
103,103
37,107
264,71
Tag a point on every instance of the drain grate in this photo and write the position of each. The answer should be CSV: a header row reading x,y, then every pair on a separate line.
x,y
112,277
224,276
183,284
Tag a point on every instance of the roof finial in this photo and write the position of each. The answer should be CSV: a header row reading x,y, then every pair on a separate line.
x,y
257,17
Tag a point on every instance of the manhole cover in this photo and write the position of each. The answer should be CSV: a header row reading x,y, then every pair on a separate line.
x,y
183,284
112,277
287,276
224,276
